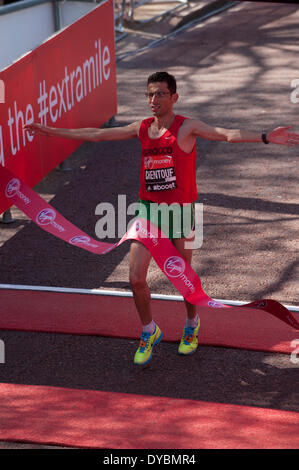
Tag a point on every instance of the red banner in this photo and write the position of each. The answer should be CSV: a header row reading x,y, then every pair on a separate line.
x,y
68,81
167,257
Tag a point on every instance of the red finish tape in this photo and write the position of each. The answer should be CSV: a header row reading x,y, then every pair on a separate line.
x,y
167,257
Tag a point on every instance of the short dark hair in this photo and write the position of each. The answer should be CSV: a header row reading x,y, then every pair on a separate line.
x,y
163,77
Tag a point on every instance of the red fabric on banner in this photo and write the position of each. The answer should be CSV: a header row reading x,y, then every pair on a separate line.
x,y
163,251
110,420
69,81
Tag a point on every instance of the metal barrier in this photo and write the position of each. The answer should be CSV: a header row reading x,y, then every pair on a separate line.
x,y
119,7
119,15
134,5
123,13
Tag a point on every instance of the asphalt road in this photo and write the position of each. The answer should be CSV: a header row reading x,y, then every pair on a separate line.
x,y
237,72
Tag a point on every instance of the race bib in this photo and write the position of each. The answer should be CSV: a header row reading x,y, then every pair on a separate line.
x,y
159,173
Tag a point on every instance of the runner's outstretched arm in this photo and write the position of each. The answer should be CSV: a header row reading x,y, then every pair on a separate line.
x,y
89,133
280,135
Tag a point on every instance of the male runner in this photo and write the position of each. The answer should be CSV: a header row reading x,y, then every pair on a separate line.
x,y
170,139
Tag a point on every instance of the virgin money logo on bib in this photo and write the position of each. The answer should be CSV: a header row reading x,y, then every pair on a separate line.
x,y
46,216
174,266
12,187
148,163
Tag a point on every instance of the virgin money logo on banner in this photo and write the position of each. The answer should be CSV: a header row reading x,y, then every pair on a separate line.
x,y
45,217
79,239
12,187
82,240
143,232
174,266
214,304
261,304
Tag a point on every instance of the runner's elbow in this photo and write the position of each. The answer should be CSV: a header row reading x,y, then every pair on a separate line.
x,y
96,136
232,136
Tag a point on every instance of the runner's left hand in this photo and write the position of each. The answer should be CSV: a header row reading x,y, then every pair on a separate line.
x,y
281,136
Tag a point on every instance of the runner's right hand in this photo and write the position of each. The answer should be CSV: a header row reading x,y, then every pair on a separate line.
x,y
36,128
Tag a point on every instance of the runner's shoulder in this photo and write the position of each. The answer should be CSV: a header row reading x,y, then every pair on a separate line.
x,y
134,127
190,125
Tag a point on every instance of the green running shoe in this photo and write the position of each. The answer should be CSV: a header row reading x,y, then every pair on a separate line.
x,y
189,341
144,353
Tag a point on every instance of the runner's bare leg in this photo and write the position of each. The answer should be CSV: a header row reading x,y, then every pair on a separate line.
x,y
139,262
186,253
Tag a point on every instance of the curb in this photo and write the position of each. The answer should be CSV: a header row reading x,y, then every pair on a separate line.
x,y
202,12
193,18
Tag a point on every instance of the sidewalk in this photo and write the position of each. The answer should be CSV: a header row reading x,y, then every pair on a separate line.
x,y
146,26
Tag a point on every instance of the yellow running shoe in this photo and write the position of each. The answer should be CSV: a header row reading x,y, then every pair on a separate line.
x,y
144,353
189,341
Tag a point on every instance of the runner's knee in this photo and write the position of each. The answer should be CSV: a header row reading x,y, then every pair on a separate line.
x,y
137,282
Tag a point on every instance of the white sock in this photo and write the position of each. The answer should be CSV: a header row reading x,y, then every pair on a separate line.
x,y
192,321
150,328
